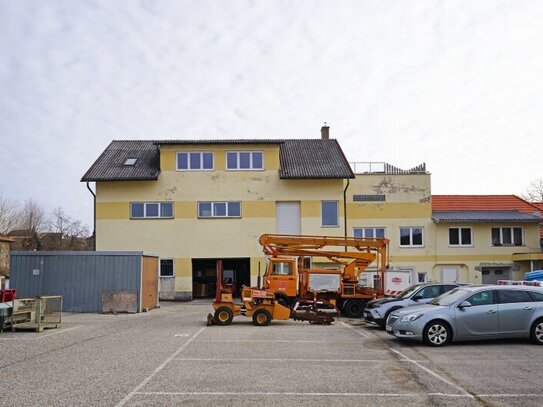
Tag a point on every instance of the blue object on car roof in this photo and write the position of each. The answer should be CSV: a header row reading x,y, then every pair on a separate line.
x,y
534,275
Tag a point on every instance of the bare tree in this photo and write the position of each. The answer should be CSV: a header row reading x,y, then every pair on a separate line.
x,y
66,233
8,215
534,192
32,220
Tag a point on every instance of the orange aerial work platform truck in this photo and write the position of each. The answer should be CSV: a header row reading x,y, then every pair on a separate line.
x,y
291,278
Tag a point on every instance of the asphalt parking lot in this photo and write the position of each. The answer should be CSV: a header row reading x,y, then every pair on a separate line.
x,y
169,357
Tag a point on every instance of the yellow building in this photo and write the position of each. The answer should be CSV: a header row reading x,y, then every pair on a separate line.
x,y
194,202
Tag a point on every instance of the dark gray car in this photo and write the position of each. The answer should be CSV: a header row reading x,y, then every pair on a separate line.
x,y
377,311
473,312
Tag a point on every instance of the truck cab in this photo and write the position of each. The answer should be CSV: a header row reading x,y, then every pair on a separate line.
x,y
282,276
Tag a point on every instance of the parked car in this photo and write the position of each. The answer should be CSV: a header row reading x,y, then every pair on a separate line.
x,y
377,311
473,312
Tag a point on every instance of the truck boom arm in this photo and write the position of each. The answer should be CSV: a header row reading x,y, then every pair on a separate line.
x,y
355,262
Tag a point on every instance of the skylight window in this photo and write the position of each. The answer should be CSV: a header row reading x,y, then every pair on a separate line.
x,y
130,161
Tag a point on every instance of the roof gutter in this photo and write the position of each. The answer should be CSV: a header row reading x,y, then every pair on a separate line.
x,y
94,216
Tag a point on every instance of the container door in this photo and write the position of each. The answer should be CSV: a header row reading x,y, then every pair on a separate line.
x,y
149,282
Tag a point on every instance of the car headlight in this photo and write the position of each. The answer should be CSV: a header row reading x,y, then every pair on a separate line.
x,y
411,317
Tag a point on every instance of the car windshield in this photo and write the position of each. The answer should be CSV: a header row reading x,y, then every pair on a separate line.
x,y
449,297
408,291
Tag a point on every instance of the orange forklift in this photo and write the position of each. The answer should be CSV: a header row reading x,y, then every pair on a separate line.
x,y
259,304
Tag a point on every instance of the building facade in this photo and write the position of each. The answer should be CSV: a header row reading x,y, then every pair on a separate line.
x,y
194,202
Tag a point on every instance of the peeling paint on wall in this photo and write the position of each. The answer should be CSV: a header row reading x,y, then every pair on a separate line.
x,y
388,186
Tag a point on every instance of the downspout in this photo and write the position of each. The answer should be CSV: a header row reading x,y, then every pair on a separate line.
x,y
345,209
94,216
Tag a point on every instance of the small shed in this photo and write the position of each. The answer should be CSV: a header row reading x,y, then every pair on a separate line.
x,y
88,281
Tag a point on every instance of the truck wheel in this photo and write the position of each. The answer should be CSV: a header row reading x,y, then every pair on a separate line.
x,y
354,308
223,316
262,317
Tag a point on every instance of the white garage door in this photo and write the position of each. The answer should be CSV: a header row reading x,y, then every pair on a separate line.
x,y
288,219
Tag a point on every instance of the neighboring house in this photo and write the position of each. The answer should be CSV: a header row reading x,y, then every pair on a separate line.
x,y
194,202
25,240
197,201
485,238
5,243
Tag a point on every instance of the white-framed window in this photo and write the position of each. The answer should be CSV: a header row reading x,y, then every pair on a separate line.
x,y
130,162
219,209
412,236
507,236
329,213
460,236
369,232
151,210
167,268
244,160
194,161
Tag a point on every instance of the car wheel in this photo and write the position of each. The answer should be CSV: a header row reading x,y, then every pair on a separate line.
x,y
262,317
223,316
536,333
354,308
437,333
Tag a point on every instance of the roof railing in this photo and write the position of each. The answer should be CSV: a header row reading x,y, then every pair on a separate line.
x,y
368,167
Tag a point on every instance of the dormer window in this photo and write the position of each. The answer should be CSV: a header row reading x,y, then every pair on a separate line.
x,y
130,162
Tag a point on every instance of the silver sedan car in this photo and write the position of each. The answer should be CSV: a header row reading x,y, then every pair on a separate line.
x,y
473,312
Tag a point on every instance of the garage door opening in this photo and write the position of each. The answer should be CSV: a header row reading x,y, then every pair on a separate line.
x,y
204,275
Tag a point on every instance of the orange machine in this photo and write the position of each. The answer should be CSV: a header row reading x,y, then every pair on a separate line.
x,y
258,303
292,280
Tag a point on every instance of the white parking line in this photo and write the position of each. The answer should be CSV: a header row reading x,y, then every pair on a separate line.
x,y
158,369
41,335
354,330
256,393
285,360
272,341
431,372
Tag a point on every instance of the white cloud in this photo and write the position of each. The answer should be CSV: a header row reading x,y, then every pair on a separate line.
x,y
456,84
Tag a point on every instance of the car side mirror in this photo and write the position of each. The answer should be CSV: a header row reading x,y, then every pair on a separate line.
x,y
417,297
465,304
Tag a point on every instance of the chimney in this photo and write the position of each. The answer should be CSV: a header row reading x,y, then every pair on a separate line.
x,y
325,131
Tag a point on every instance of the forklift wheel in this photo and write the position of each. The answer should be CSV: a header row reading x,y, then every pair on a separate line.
x,y
262,317
223,316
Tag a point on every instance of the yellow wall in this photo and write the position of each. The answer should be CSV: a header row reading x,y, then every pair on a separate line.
x,y
185,236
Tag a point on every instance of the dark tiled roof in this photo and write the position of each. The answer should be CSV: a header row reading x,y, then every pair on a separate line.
x,y
300,159
483,216
313,159
207,142
110,165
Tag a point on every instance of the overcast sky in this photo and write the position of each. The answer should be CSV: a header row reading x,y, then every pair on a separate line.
x,y
455,84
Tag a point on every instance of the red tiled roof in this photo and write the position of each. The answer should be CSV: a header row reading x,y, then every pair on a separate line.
x,y
485,202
